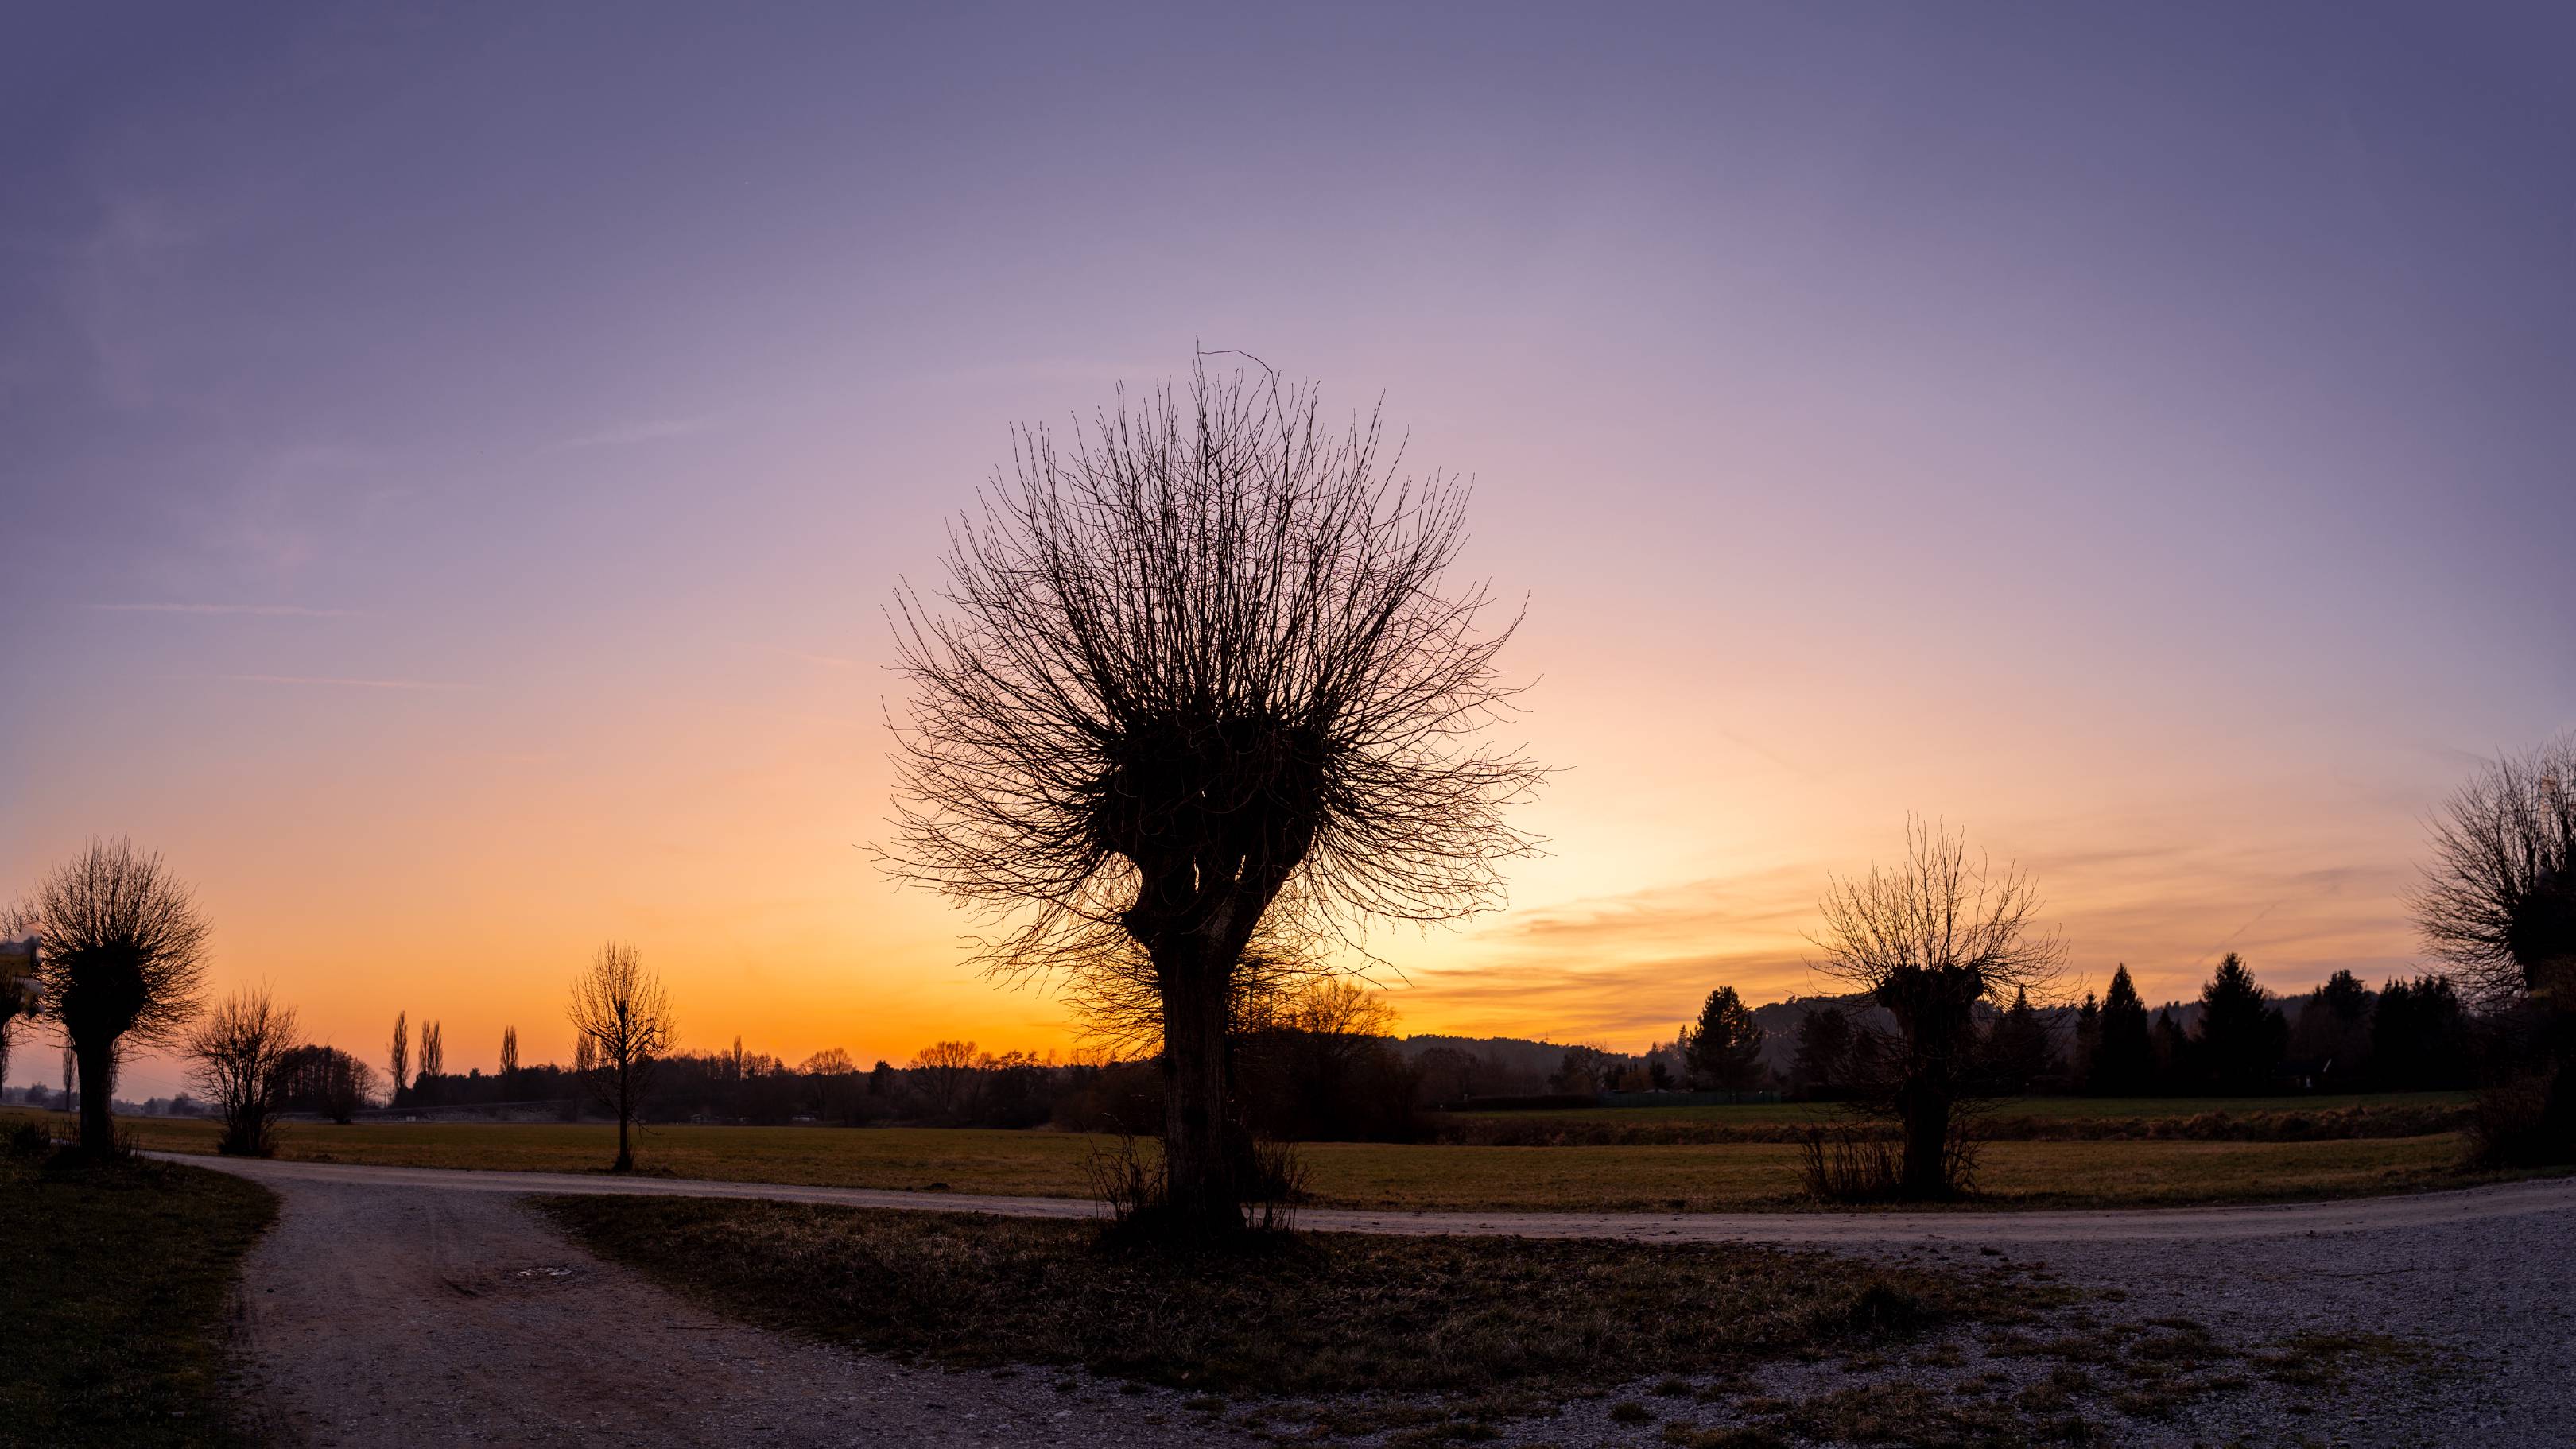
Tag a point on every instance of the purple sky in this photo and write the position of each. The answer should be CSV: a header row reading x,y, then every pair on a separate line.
x,y
454,460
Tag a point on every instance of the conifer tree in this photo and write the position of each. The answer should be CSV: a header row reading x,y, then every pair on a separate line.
x,y
2088,1042
1724,1047
2175,1056
2242,1034
2018,1051
2125,1060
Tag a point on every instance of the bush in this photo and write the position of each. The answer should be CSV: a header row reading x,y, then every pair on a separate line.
x,y
1854,1165
2511,1124
29,1140
1128,1180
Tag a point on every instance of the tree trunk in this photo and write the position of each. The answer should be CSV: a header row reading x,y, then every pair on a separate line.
x,y
625,1114
97,1090
2558,1110
1927,1144
1200,1151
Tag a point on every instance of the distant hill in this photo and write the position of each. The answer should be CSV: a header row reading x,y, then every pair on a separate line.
x,y
1512,1053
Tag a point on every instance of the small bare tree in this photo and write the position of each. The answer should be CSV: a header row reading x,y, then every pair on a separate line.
x,y
947,1073
1193,682
342,1088
2498,902
621,1020
240,1053
1928,941
122,962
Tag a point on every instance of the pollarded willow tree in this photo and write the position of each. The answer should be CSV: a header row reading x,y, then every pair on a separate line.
x,y
121,964
1198,678
1928,940
2498,902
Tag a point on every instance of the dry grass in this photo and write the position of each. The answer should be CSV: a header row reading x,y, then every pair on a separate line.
x,y
2028,1119
113,1278
1702,1177
1324,1314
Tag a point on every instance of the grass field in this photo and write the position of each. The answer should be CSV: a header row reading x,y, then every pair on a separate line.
x,y
114,1279
1332,1313
2026,1119
2031,1108
1688,1177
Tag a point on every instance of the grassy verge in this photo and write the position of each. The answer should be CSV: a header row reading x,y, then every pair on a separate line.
x,y
1317,1314
2037,1119
2038,1109
1695,1177
114,1279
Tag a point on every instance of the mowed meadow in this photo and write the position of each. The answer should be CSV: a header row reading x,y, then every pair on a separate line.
x,y
2048,1162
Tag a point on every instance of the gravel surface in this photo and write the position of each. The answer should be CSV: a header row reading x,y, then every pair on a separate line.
x,y
425,1307
390,1316
2492,1301
2543,1195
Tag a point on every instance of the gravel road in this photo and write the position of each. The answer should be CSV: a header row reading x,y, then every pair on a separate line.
x,y
426,1307
2545,1195
384,1315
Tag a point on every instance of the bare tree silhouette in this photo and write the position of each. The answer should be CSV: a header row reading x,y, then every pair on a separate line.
x,y
122,961
1193,679
2498,899
621,1019
241,1051
1928,940
1115,1004
18,996
398,1057
2498,902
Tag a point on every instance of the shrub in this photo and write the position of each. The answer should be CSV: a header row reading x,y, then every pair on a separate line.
x,y
30,1139
2511,1126
1847,1165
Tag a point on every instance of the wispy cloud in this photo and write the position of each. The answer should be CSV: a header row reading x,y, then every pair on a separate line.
x,y
276,611
341,681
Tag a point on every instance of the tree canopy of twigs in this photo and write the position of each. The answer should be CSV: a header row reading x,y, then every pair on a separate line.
x,y
123,961
622,1022
2498,902
1928,940
239,1054
2498,899
1197,675
1116,1006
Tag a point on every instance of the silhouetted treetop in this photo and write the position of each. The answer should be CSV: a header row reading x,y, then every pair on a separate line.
x,y
1206,644
2498,899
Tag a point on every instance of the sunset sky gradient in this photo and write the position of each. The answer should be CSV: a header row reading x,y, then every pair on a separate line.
x,y
455,460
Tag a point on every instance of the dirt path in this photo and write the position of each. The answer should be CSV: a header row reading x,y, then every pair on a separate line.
x,y
377,1314
2431,1209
